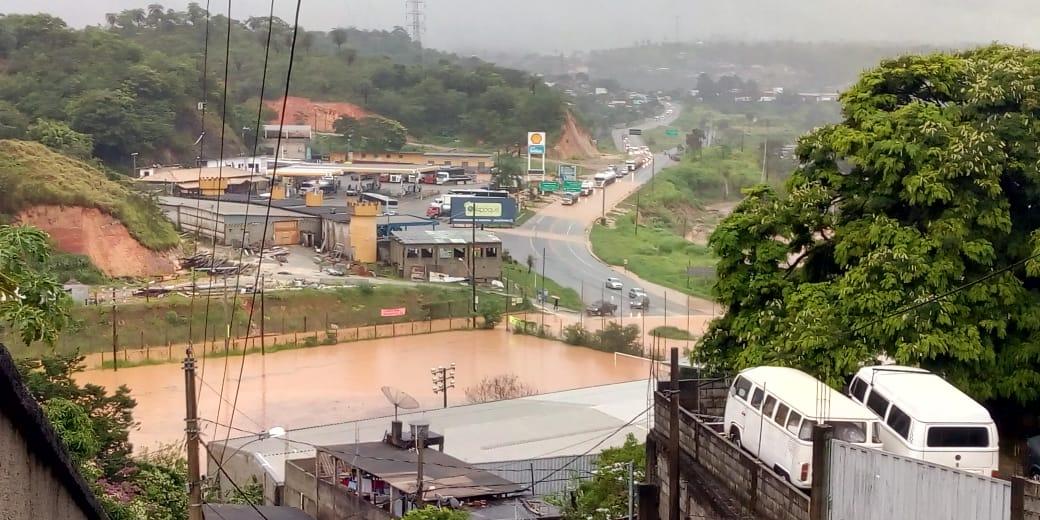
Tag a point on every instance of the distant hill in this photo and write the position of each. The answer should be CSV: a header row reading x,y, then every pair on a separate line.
x,y
134,84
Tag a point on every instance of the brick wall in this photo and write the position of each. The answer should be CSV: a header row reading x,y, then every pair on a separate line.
x,y
1025,499
711,463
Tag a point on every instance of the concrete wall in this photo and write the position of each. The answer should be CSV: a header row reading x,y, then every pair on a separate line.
x,y
243,467
324,501
363,231
300,491
1025,499
28,487
713,464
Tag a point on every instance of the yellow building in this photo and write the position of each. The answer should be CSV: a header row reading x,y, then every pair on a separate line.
x,y
363,238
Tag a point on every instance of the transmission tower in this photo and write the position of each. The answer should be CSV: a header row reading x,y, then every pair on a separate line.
x,y
416,17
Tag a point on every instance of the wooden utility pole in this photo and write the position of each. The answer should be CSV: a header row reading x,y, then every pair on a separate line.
x,y
263,348
821,437
115,358
191,429
673,438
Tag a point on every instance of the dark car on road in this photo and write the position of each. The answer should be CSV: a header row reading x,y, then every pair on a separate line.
x,y
601,308
641,302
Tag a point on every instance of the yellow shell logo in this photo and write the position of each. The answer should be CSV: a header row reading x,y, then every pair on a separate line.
x,y
536,138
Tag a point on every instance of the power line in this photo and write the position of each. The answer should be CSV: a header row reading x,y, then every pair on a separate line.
x,y
270,200
223,471
198,203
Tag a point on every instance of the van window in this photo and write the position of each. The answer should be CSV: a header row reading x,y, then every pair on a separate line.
x,y
767,409
781,414
899,421
958,437
794,422
849,431
878,404
756,398
741,387
805,433
858,389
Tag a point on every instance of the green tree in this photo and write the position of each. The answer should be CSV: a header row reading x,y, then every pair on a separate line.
x,y
380,133
605,495
508,172
339,37
491,310
108,117
12,122
930,181
59,137
435,513
32,303
74,427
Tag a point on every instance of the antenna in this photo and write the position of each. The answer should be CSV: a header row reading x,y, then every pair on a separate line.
x,y
400,399
416,19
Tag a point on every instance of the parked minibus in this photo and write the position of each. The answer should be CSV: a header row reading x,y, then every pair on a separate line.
x,y
770,412
925,417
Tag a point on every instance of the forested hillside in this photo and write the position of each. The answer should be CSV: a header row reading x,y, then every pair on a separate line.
x,y
131,84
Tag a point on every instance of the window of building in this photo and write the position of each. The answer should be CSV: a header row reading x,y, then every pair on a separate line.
x,y
400,156
490,252
858,389
429,162
478,252
445,253
387,156
769,406
411,252
741,388
958,437
465,164
877,403
447,163
899,421
480,165
756,398
427,252
460,252
781,414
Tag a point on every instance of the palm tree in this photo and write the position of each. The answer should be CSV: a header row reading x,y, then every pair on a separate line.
x,y
136,16
111,18
155,15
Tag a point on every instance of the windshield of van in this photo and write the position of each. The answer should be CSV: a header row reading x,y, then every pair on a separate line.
x,y
958,437
849,431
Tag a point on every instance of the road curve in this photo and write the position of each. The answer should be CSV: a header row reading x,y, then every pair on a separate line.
x,y
560,232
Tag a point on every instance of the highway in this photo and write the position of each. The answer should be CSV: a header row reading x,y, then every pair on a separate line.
x,y
561,231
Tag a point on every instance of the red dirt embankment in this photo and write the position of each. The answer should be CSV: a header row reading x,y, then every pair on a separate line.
x,y
102,238
574,142
320,115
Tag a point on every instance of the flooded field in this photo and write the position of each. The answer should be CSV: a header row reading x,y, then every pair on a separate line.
x,y
319,385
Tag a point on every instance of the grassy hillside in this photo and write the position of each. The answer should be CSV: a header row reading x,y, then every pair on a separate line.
x,y
31,174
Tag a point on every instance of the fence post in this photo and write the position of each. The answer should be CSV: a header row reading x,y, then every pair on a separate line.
x,y
1018,498
819,504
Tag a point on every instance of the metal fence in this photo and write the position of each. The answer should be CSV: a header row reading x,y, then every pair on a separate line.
x,y
868,484
546,472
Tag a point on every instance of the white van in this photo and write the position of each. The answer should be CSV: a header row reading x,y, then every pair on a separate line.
x,y
770,412
925,417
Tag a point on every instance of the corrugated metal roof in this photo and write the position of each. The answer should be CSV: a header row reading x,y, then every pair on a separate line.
x,y
446,236
179,175
229,209
560,423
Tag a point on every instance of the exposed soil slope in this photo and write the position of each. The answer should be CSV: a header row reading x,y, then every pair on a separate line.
x,y
574,142
102,238
321,115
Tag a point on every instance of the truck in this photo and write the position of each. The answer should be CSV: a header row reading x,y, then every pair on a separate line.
x,y
600,308
454,176
586,187
603,179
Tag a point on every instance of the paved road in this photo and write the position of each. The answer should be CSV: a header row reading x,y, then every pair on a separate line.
x,y
561,232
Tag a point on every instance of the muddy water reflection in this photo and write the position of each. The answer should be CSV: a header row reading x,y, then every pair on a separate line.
x,y
320,385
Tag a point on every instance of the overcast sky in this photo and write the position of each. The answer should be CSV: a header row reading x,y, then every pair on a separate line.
x,y
550,26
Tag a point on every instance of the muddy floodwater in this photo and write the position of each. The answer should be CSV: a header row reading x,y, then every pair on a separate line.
x,y
320,385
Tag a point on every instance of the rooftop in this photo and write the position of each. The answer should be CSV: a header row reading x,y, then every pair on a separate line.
x,y
446,236
458,154
924,395
442,474
179,175
245,512
228,208
556,424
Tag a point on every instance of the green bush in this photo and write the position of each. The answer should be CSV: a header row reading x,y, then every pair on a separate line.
x,y
491,311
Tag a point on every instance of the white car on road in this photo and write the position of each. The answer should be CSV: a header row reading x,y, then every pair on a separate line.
x,y
614,283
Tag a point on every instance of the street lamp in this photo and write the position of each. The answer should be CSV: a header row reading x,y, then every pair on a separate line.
x,y
275,432
133,169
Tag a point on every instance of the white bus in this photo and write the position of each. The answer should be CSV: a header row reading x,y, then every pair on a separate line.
x,y
770,412
387,205
926,418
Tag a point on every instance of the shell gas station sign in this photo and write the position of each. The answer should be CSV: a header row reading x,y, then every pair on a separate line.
x,y
536,142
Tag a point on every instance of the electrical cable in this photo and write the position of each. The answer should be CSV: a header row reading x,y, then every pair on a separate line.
x,y
223,471
270,200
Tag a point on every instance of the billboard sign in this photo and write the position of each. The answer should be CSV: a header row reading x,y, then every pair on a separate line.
x,y
483,210
567,172
536,139
536,149
548,186
393,312
635,131
572,186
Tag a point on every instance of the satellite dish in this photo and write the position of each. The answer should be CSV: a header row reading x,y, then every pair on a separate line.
x,y
400,399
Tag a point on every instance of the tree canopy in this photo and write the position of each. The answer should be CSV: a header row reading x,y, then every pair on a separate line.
x,y
926,187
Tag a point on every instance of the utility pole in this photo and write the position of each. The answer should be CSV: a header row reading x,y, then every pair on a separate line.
x,y
653,171
420,429
765,150
191,429
473,263
637,212
631,488
115,355
673,438
542,294
263,347
133,171
443,379
603,211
